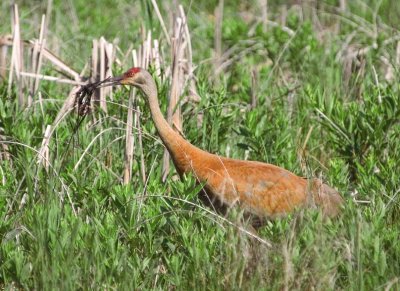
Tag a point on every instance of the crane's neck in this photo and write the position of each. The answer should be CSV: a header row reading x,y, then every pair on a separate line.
x,y
182,152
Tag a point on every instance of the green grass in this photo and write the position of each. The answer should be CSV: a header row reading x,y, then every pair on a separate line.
x,y
118,240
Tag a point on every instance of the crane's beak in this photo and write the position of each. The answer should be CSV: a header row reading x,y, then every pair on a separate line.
x,y
111,81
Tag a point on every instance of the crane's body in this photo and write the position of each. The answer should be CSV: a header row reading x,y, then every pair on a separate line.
x,y
259,188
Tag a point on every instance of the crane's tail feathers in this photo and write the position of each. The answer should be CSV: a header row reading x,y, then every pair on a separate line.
x,y
327,198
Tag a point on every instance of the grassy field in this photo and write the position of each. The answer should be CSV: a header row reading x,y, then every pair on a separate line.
x,y
314,90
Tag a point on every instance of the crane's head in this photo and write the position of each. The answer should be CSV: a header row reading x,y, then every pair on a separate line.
x,y
134,77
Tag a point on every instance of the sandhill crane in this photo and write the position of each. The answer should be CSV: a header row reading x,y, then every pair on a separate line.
x,y
258,188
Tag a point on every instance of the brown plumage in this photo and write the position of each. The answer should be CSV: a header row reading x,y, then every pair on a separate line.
x,y
259,188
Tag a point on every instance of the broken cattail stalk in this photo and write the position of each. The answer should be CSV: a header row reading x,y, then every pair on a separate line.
x,y
174,114
148,51
34,59
135,58
41,103
68,105
109,54
94,68
193,95
139,56
37,55
51,78
102,71
129,142
140,139
43,153
157,60
56,61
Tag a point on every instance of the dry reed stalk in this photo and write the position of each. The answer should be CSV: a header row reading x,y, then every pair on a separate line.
x,y
34,59
131,123
177,47
165,159
135,58
102,60
398,54
49,9
193,95
56,61
105,59
67,107
139,55
141,58
102,73
254,86
109,54
44,153
129,142
37,56
156,56
155,6
94,70
174,113
52,78
377,84
140,141
180,72
70,100
148,55
16,56
5,42
145,61
219,14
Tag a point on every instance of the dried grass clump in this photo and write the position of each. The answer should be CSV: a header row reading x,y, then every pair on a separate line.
x,y
28,57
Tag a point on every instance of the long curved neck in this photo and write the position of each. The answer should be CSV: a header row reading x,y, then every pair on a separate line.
x,y
183,153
